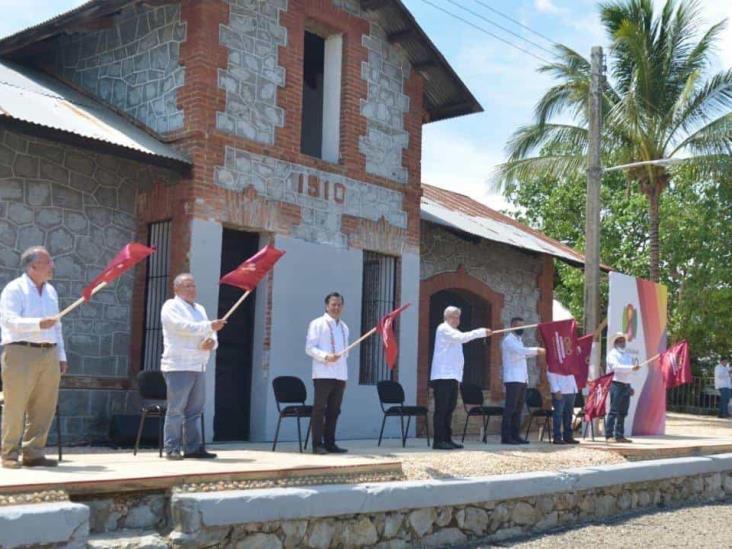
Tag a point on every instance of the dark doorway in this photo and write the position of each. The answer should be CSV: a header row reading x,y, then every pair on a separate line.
x,y
234,354
476,313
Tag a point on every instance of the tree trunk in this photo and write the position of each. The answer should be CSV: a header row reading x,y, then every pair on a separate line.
x,y
653,224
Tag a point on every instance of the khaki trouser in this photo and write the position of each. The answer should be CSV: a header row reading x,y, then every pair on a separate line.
x,y
30,386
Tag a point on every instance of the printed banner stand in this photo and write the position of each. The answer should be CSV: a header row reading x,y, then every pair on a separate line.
x,y
638,308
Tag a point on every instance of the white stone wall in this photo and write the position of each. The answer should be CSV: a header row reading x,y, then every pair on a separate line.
x,y
386,71
323,197
253,73
134,65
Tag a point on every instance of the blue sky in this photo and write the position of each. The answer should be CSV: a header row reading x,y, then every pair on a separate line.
x,y
460,154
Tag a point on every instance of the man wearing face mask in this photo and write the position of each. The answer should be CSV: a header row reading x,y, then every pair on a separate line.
x,y
447,373
515,380
621,363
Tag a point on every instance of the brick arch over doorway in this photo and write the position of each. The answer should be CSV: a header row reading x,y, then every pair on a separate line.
x,y
462,281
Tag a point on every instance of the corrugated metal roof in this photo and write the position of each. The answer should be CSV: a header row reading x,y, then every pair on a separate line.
x,y
464,214
35,98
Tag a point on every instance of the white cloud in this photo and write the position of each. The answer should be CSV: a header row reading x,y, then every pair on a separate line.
x,y
545,6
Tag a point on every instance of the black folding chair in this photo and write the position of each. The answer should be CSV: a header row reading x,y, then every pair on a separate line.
x,y
391,392
534,403
472,396
289,390
59,443
154,394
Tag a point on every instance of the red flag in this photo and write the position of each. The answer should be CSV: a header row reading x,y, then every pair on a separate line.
x,y
676,365
595,402
127,258
386,329
560,340
250,273
584,351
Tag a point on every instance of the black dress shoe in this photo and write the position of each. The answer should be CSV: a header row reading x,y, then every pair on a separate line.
x,y
319,450
522,441
571,441
173,456
335,449
442,446
199,454
506,441
455,445
40,462
559,442
623,440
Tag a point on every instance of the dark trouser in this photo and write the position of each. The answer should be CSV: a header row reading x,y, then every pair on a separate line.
x,y
328,398
446,391
619,404
563,409
724,394
515,394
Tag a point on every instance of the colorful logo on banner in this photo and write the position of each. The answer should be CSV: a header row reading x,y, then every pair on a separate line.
x,y
630,322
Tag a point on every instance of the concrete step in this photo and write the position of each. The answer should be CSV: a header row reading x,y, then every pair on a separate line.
x,y
128,539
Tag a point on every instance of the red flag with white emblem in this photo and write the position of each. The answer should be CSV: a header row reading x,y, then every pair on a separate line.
x,y
251,272
560,341
386,329
676,365
584,351
128,257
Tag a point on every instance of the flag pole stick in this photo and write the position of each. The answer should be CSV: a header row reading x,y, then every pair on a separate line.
x,y
78,302
649,360
235,306
368,334
504,330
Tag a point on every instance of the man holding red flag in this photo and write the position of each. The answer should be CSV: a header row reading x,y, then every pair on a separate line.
x,y
621,364
32,362
325,343
447,373
188,339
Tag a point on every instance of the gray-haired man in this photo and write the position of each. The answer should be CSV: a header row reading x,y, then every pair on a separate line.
x,y
32,362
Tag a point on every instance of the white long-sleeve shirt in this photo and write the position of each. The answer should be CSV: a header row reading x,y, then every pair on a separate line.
x,y
621,363
21,310
185,326
566,385
722,379
514,354
327,335
448,360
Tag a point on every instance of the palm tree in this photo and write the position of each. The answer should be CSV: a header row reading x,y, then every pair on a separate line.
x,y
660,103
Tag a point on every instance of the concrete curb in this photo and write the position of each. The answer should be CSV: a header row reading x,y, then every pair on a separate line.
x,y
192,511
44,523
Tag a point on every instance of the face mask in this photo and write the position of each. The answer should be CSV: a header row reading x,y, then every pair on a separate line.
x,y
519,332
620,346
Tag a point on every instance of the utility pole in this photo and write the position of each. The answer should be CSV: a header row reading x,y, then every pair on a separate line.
x,y
592,211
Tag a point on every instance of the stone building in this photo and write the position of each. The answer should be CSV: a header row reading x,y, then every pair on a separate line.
x,y
209,129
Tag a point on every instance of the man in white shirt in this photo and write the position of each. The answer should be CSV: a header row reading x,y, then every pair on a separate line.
x,y
326,340
33,360
621,363
564,391
188,339
723,384
515,381
447,373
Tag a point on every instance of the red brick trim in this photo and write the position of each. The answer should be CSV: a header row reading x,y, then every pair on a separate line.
x,y
457,280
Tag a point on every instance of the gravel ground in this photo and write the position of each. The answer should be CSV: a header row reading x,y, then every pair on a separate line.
x,y
701,527
535,457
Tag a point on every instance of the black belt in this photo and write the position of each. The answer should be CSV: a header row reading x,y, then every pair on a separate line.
x,y
31,344
621,382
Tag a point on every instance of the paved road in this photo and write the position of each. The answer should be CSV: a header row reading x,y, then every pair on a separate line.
x,y
706,526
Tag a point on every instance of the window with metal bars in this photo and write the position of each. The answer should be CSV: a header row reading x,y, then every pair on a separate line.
x,y
156,292
379,297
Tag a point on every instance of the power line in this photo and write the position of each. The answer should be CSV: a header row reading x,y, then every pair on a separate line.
x,y
504,29
515,21
489,33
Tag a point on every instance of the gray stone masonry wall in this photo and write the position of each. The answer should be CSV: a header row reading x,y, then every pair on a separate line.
x,y
134,65
503,269
321,206
386,71
253,74
81,206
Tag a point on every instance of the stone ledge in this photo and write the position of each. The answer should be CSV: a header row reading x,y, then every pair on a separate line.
x,y
193,511
63,523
